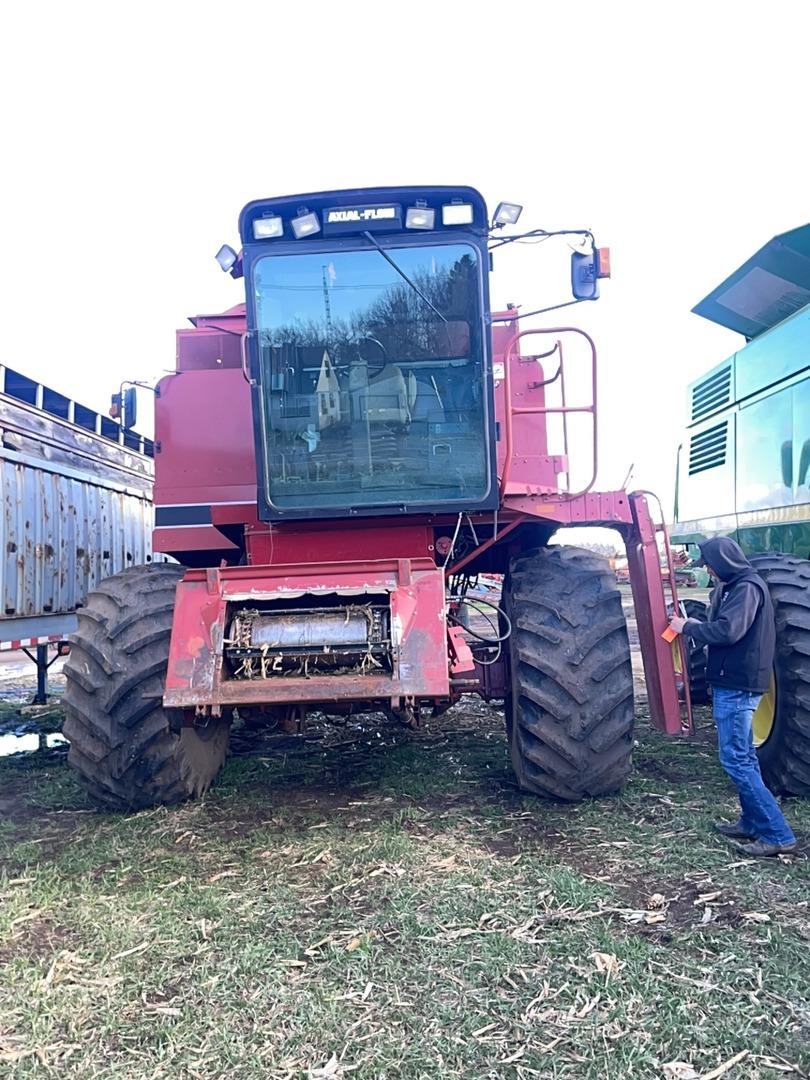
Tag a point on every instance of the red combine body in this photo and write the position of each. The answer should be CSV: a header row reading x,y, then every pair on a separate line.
x,y
336,461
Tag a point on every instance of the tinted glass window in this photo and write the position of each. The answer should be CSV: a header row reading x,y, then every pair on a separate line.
x,y
372,385
773,454
801,443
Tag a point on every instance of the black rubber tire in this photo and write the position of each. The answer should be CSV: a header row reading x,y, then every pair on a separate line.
x,y
123,744
569,716
784,757
696,655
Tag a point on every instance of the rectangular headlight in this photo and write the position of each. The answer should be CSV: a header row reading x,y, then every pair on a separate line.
x,y
457,214
419,217
265,228
305,225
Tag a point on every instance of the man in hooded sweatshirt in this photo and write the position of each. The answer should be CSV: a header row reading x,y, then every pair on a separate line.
x,y
740,635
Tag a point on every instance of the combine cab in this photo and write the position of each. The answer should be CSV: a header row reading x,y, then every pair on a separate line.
x,y
337,461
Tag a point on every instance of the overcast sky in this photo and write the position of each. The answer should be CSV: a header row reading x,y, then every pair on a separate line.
x,y
133,136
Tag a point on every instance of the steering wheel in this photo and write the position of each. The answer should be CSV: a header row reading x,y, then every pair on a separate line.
x,y
372,370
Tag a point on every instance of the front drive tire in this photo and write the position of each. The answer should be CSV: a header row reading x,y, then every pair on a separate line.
x,y
570,711
124,746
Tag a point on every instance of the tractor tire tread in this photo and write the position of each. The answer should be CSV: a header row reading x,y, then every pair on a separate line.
x,y
571,702
785,757
123,746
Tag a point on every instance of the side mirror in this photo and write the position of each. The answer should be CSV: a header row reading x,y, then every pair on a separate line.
x,y
124,408
585,275
130,417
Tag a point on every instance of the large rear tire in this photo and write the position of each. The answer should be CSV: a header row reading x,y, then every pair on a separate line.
x,y
127,750
784,756
570,711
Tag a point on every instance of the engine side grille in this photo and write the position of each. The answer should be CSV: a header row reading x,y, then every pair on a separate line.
x,y
708,449
712,393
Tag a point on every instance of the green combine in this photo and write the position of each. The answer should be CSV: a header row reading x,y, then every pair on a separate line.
x,y
744,471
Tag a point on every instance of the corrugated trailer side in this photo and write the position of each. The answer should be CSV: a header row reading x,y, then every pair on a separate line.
x,y
77,506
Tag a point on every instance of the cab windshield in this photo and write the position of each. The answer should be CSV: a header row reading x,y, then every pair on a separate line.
x,y
372,386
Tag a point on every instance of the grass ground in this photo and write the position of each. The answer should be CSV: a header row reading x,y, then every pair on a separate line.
x,y
393,907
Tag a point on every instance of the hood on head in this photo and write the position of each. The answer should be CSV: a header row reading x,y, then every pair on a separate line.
x,y
724,556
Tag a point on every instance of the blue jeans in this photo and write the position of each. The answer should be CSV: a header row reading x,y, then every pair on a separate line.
x,y
733,714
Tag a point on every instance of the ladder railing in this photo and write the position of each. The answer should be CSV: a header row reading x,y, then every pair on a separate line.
x,y
564,409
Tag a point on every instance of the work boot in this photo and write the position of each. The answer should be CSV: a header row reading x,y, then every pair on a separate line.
x,y
762,849
732,830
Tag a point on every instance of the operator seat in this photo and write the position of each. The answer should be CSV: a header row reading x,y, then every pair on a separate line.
x,y
385,398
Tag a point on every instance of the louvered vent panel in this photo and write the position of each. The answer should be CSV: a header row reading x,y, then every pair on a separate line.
x,y
708,449
711,394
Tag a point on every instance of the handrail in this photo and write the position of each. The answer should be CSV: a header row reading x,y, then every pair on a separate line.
x,y
562,409
243,352
565,415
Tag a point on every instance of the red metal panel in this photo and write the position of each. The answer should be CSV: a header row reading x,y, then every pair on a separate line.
x,y
651,615
196,673
235,514
348,541
608,508
520,378
204,425
232,320
461,655
190,538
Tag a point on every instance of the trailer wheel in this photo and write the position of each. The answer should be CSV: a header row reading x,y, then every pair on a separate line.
x,y
696,656
570,711
782,722
129,752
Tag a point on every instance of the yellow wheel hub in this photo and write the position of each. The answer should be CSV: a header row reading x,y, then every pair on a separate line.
x,y
765,714
676,657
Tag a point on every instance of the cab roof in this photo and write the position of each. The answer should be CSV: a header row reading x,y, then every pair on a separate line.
x,y
288,206
769,287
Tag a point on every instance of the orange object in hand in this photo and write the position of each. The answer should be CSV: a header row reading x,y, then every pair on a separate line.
x,y
669,634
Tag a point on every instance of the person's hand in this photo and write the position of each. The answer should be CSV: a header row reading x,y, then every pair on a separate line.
x,y
677,624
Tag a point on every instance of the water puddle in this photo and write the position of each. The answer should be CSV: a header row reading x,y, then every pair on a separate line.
x,y
13,742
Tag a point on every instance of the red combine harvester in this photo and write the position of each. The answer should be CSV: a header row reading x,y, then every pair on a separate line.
x,y
336,461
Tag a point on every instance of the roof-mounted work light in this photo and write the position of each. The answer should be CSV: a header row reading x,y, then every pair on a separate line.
x,y
265,228
226,257
306,224
507,213
419,217
457,213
